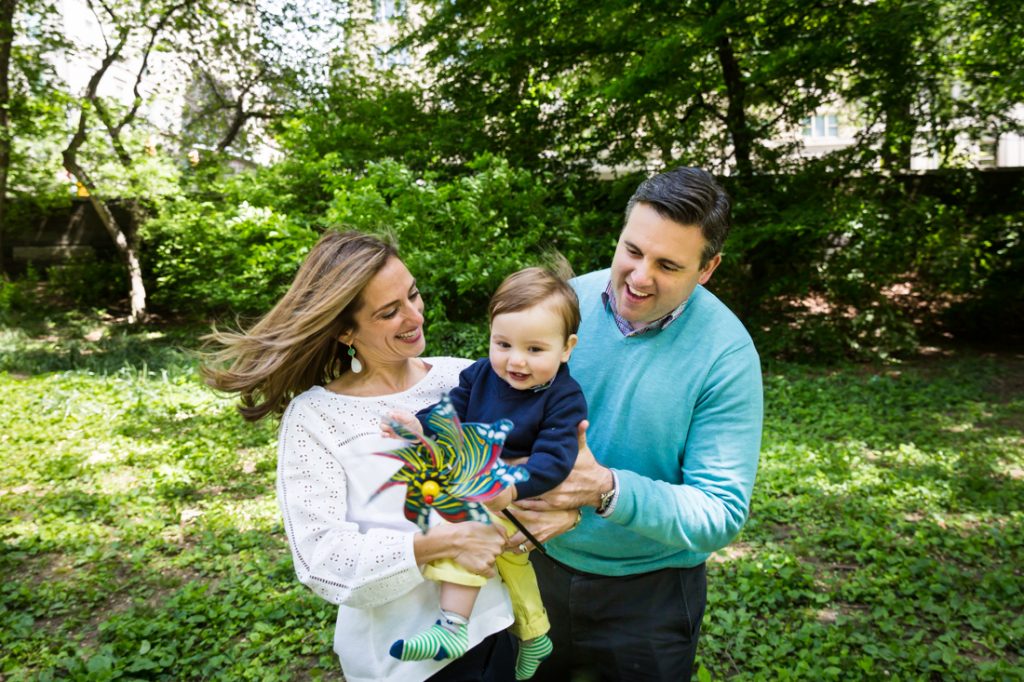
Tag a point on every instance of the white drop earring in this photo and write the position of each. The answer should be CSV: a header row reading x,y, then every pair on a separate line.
x,y
357,366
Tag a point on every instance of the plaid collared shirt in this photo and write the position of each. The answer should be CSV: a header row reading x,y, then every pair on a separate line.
x,y
627,328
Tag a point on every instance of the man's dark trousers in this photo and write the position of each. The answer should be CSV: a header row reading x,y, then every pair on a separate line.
x,y
621,629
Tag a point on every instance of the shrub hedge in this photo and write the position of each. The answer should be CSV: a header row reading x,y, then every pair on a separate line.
x,y
820,265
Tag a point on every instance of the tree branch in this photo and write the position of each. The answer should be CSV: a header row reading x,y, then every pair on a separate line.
x,y
78,139
154,33
114,129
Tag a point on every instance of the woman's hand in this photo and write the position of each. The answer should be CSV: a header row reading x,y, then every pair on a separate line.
x,y
473,545
478,547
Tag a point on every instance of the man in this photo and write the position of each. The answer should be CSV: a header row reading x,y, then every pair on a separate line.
x,y
673,386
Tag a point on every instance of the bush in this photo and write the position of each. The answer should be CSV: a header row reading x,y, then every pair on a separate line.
x,y
16,295
823,266
89,282
461,237
820,265
986,300
208,257
237,252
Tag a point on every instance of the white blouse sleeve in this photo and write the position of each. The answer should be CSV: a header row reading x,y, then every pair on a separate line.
x,y
332,555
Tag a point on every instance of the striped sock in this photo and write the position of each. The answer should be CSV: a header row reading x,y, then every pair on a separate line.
x,y
437,642
531,654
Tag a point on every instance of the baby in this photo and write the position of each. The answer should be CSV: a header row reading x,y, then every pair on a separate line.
x,y
534,317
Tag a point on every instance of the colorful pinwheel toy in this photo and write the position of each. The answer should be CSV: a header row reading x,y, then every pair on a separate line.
x,y
453,472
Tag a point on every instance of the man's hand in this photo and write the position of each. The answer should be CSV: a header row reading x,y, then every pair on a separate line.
x,y
583,486
543,525
502,499
557,510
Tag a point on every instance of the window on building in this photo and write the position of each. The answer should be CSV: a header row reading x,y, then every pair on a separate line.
x,y
821,126
384,10
988,151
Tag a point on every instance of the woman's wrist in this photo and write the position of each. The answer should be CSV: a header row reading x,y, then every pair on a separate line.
x,y
423,549
432,545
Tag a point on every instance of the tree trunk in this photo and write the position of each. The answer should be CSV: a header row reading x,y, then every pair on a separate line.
x,y
900,128
127,247
137,288
6,39
736,115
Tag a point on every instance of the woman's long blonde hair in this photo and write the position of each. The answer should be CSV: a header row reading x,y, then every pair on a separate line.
x,y
295,346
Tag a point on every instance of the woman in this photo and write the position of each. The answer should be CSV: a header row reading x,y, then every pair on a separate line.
x,y
337,352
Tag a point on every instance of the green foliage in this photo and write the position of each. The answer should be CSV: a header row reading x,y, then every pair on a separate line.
x,y
461,237
820,266
990,32
720,84
220,256
36,109
823,266
818,259
89,282
881,543
361,119
142,539
17,296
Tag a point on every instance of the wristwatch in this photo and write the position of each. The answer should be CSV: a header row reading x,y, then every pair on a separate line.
x,y
608,497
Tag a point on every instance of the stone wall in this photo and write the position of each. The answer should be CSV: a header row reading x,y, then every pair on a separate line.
x,y
55,235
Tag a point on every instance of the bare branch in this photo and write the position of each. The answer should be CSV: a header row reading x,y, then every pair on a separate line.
x,y
99,22
114,129
78,139
154,33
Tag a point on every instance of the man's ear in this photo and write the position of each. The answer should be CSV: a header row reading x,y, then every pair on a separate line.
x,y
707,270
570,343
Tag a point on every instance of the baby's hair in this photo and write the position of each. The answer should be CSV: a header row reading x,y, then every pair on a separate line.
x,y
533,286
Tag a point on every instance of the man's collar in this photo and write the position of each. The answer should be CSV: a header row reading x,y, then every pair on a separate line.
x,y
628,328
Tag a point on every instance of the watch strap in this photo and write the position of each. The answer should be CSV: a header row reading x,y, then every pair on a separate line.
x,y
609,497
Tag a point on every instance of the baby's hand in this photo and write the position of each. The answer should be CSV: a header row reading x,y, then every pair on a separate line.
x,y
404,418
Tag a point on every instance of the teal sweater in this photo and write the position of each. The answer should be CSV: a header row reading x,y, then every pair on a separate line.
x,y
677,415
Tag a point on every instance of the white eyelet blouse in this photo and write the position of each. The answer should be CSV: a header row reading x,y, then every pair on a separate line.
x,y
354,549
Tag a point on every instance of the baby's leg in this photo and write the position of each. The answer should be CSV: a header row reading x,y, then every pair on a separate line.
x,y
458,599
449,636
531,625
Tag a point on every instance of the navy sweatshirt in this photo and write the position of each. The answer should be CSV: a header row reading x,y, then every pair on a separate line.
x,y
544,422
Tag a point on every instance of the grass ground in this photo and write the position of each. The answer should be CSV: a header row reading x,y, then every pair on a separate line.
x,y
141,539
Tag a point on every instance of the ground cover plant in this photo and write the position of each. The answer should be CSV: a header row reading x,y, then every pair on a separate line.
x,y
141,538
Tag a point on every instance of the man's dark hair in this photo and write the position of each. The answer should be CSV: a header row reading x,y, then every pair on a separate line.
x,y
688,196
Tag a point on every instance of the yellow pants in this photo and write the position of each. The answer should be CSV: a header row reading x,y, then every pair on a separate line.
x,y
531,620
